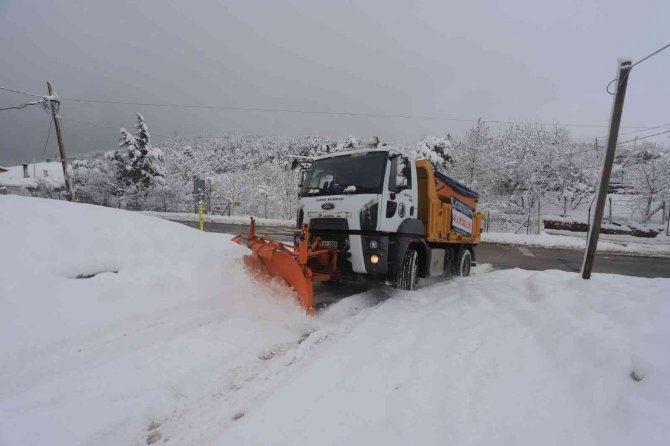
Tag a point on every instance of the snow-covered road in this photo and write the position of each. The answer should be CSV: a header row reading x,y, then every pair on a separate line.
x,y
508,357
171,341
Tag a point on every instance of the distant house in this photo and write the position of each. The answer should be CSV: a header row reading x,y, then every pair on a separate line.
x,y
33,180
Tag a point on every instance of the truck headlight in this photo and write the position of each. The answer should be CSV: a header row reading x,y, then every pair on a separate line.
x,y
374,259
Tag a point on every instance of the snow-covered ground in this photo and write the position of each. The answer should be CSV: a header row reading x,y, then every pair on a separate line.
x,y
656,247
170,329
173,342
509,357
233,219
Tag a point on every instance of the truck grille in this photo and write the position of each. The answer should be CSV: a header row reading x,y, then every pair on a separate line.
x,y
331,229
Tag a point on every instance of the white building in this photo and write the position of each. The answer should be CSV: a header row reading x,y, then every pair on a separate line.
x,y
36,180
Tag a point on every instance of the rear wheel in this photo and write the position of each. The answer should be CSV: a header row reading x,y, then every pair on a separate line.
x,y
460,265
407,276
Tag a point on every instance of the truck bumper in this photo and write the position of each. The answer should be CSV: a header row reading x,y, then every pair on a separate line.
x,y
356,255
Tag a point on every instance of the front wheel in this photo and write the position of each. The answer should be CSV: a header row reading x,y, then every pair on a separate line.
x,y
407,276
460,266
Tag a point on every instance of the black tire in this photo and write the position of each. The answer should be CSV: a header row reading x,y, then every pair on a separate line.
x,y
461,264
408,274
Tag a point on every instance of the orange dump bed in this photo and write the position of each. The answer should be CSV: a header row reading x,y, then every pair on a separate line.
x,y
447,208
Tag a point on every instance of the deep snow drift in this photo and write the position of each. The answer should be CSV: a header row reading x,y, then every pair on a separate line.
x,y
170,328
171,341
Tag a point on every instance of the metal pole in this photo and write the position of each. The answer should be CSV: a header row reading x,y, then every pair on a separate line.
x,y
615,121
63,159
610,200
201,219
539,215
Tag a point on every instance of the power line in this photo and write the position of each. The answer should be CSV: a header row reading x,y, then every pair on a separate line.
x,y
47,141
644,137
93,124
329,113
651,55
626,133
638,63
22,92
644,130
19,107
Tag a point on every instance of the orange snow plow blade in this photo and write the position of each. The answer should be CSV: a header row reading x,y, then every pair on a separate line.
x,y
298,267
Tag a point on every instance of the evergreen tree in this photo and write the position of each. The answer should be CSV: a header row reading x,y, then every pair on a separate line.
x,y
142,137
140,166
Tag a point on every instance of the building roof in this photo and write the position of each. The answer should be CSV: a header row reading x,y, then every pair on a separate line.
x,y
49,174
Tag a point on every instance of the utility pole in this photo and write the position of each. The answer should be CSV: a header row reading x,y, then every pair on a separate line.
x,y
615,121
63,158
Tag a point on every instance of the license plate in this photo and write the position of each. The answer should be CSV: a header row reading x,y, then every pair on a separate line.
x,y
329,243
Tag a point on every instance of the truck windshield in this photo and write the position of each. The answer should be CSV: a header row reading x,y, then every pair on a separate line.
x,y
348,174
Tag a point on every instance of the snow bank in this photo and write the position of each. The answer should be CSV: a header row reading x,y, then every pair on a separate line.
x,y
510,357
659,247
171,326
235,219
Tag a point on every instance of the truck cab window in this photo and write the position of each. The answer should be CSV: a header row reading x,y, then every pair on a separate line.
x,y
325,178
400,175
346,174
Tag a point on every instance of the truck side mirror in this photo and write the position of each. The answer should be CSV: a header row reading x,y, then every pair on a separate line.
x,y
393,174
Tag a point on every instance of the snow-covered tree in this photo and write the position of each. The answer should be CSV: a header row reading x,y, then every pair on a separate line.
x,y
139,166
438,150
94,180
471,154
649,177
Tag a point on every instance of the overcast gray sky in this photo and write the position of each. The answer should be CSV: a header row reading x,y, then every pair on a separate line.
x,y
535,60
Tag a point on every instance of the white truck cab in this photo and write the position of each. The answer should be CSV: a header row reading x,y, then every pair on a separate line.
x,y
360,201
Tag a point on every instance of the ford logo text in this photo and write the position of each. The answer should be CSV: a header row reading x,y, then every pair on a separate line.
x,y
327,206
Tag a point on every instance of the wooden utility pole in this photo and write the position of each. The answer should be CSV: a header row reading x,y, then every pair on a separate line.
x,y
63,158
615,121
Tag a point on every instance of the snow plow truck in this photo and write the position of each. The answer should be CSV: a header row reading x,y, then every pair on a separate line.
x,y
372,212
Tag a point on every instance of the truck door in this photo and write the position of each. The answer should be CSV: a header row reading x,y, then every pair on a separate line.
x,y
399,199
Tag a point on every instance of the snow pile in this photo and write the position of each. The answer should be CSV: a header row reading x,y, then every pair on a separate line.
x,y
657,247
49,174
228,219
509,357
169,325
